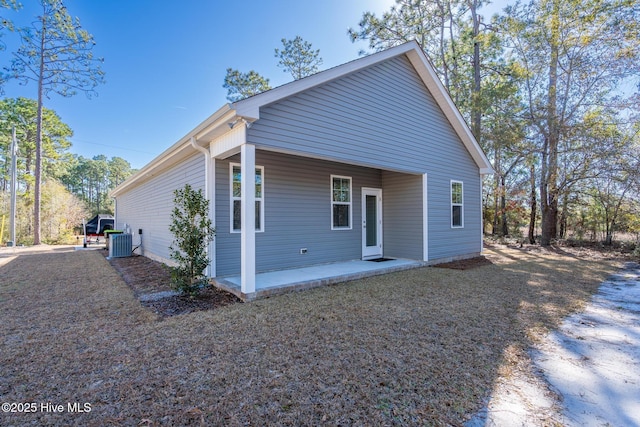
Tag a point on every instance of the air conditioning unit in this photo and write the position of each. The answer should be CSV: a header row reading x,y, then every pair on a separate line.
x,y
120,245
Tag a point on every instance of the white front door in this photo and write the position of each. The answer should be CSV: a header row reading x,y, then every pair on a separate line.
x,y
371,223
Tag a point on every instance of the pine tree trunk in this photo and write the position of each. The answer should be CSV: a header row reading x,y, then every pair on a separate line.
x,y
496,206
563,219
544,199
534,206
38,177
38,172
503,206
476,116
496,190
549,224
550,180
608,240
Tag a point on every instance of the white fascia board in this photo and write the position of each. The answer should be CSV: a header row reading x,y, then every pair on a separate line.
x,y
169,157
250,107
218,127
487,171
179,150
428,75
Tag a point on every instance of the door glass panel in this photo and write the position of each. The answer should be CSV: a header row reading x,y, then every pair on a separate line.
x,y
237,215
372,220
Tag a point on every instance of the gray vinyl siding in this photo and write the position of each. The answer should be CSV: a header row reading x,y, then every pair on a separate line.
x,y
148,206
446,242
297,198
402,215
383,117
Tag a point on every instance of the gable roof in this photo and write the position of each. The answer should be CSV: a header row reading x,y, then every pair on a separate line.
x,y
249,110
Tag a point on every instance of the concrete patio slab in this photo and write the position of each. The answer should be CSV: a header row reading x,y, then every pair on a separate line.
x,y
283,281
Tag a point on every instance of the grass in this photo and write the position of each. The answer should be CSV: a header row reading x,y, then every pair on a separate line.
x,y
419,347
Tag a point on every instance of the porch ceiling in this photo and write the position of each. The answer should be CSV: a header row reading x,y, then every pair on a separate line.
x,y
329,158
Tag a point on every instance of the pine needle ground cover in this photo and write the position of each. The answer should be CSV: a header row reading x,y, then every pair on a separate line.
x,y
419,347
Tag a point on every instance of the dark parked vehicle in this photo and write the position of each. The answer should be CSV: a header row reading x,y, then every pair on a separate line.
x,y
98,224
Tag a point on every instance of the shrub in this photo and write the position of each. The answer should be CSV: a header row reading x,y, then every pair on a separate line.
x,y
192,231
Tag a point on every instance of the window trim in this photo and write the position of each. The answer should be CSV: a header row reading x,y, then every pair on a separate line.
x,y
232,198
461,204
350,204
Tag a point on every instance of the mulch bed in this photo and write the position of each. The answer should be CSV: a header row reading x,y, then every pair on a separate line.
x,y
208,299
146,276
465,264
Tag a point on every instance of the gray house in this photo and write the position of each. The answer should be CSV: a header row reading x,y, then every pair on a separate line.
x,y
367,160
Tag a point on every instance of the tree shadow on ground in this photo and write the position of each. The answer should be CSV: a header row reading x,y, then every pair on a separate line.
x,y
423,346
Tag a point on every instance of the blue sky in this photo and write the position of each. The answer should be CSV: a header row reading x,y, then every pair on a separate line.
x,y
165,62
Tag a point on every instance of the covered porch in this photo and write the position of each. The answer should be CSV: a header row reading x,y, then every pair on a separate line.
x,y
282,281
282,219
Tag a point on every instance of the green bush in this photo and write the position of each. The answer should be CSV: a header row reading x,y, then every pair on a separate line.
x,y
192,231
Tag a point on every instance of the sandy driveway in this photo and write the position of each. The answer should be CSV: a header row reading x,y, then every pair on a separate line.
x,y
588,371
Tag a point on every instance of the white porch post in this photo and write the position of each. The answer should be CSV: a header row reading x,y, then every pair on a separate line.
x,y
425,219
481,215
211,179
248,219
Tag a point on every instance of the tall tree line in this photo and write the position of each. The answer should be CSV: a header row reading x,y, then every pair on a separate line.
x,y
21,113
92,180
74,187
549,89
296,57
55,55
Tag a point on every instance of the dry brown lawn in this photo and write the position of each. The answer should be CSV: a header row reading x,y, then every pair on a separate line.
x,y
419,347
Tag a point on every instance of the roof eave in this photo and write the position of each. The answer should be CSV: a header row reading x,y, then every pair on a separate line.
x,y
210,128
428,75
249,109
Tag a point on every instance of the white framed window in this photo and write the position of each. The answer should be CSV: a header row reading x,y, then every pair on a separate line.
x,y
235,189
457,204
341,197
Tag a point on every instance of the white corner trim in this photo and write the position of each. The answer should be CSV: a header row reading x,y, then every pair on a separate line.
x,y
481,215
207,195
212,216
425,219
